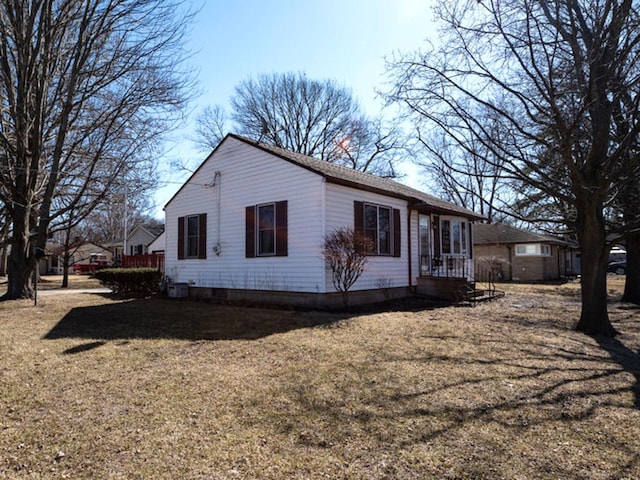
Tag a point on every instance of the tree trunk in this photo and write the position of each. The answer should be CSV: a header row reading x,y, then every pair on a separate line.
x,y
19,268
3,261
632,282
65,267
594,318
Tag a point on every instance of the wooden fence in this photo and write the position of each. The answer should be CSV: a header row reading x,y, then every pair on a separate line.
x,y
147,260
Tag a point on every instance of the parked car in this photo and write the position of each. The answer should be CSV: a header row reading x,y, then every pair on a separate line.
x,y
96,262
619,268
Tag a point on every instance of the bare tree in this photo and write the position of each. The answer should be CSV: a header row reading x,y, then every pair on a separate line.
x,y
467,177
346,254
85,86
4,239
629,199
315,118
210,127
540,67
129,198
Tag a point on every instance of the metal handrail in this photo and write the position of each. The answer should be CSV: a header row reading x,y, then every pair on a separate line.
x,y
447,266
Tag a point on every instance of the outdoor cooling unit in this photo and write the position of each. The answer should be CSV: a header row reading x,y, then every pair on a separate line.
x,y
178,290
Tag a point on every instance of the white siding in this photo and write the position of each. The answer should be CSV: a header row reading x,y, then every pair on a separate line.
x,y
249,176
380,271
158,245
139,236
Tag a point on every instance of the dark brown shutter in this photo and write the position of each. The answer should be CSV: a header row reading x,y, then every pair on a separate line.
x,y
281,229
358,217
202,235
396,232
470,246
180,238
250,232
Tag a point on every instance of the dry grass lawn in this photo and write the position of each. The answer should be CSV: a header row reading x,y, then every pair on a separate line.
x,y
95,387
53,282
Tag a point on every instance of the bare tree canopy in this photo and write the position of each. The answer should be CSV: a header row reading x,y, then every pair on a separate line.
x,y
468,177
315,118
558,77
87,87
210,127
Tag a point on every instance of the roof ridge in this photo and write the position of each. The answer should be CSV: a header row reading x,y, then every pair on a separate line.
x,y
341,172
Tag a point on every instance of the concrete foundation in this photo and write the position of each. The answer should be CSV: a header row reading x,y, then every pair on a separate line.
x,y
440,287
299,299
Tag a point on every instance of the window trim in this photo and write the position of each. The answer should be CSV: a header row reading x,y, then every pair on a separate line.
x,y
189,236
539,250
252,231
378,229
463,237
394,233
259,230
183,237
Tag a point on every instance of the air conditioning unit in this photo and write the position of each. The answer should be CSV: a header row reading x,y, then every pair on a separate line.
x,y
178,290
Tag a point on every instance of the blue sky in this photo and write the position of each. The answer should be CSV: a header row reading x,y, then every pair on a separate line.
x,y
345,41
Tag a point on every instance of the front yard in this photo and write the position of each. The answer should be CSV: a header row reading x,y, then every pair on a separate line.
x,y
92,387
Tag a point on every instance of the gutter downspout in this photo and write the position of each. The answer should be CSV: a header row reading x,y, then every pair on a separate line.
x,y
323,208
217,184
409,264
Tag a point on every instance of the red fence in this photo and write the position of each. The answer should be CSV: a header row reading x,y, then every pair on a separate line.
x,y
147,260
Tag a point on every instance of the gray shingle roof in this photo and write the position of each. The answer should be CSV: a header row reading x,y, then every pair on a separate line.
x,y
364,181
498,233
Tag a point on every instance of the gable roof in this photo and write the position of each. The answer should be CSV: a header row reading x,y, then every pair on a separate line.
x,y
339,174
154,231
54,248
499,233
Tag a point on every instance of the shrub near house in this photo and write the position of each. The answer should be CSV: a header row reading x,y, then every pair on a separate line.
x,y
131,282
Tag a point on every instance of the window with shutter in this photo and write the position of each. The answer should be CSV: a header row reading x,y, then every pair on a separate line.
x,y
381,225
266,230
192,236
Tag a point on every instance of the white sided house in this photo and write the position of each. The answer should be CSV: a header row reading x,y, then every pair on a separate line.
x,y
250,223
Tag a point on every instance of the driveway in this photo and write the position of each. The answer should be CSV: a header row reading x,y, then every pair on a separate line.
x,y
62,291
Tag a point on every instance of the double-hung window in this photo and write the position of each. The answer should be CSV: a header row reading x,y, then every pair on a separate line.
x,y
266,230
192,236
377,227
381,224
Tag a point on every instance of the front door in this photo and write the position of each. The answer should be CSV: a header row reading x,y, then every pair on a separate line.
x,y
425,244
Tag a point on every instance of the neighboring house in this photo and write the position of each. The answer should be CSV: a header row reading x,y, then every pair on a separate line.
x,y
140,237
157,247
81,253
515,254
250,224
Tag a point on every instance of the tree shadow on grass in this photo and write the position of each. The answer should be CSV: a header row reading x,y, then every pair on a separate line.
x,y
533,389
156,318
624,356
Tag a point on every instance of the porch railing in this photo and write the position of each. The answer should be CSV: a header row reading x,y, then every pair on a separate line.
x,y
447,266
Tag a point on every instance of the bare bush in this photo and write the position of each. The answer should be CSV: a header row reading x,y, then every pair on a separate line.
x,y
345,252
